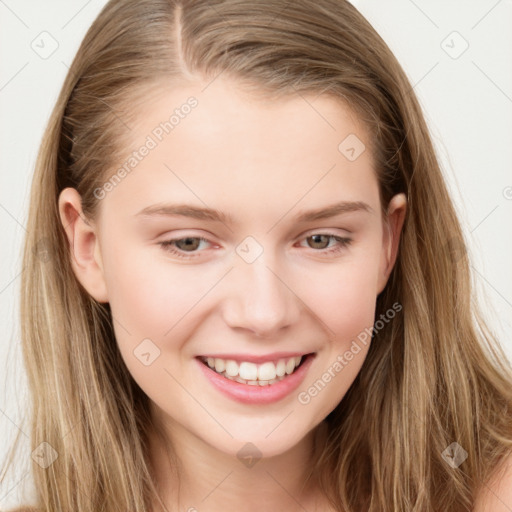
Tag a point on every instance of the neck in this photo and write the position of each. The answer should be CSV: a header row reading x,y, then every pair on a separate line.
x,y
193,476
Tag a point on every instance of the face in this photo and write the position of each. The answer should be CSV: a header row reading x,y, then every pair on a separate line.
x,y
247,237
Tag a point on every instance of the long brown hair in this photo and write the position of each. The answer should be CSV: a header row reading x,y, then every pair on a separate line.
x,y
433,377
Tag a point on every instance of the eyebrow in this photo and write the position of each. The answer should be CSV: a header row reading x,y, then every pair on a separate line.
x,y
200,213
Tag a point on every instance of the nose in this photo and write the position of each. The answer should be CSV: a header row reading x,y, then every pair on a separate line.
x,y
260,299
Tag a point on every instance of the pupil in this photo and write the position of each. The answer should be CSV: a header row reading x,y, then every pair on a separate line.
x,y
188,243
316,240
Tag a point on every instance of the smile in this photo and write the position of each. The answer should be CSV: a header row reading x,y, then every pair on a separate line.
x,y
253,374
258,381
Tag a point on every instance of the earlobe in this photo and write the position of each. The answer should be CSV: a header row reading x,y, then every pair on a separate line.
x,y
83,245
391,237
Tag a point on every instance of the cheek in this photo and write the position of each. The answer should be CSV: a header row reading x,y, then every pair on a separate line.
x,y
146,292
134,295
344,298
344,301
152,303
153,298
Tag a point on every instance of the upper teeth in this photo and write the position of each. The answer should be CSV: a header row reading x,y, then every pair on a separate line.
x,y
251,371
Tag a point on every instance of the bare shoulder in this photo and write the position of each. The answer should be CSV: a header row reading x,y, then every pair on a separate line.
x,y
496,496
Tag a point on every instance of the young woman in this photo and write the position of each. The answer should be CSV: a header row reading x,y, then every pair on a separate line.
x,y
255,292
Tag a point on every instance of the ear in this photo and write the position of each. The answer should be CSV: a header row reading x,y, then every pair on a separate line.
x,y
392,224
83,245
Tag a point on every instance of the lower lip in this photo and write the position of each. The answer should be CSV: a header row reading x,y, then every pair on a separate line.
x,y
248,394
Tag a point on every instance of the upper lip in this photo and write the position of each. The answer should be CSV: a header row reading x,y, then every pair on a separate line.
x,y
275,356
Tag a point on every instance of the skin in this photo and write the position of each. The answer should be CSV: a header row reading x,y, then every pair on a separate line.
x,y
263,163
496,494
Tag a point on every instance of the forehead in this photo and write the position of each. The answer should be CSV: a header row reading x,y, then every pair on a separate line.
x,y
215,144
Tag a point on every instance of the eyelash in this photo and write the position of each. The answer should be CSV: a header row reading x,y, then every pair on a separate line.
x,y
168,246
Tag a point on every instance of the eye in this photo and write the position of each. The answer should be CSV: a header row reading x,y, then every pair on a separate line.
x,y
188,247
181,246
321,241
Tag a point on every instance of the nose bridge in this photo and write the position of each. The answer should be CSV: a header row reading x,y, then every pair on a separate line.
x,y
260,301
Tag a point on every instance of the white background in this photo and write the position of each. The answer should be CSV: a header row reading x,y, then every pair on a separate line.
x,y
467,101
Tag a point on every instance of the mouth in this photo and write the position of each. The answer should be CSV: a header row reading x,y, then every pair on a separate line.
x,y
266,373
262,380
